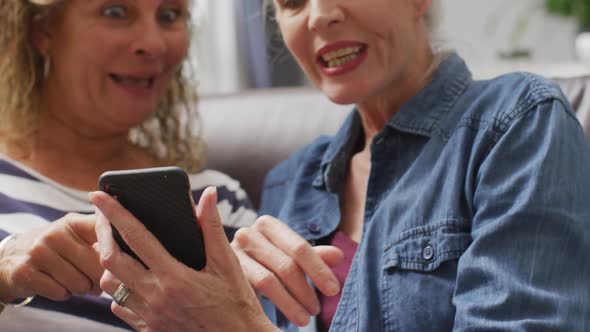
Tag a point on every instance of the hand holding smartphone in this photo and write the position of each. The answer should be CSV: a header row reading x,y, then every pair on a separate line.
x,y
160,198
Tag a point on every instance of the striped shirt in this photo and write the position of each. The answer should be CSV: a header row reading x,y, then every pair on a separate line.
x,y
29,200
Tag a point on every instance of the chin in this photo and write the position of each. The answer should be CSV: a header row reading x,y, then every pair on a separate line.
x,y
136,115
343,96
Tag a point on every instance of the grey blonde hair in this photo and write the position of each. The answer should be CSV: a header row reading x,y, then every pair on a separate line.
x,y
432,17
171,134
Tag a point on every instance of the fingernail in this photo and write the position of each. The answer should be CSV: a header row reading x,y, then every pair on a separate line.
x,y
211,190
302,318
204,196
315,309
93,197
332,287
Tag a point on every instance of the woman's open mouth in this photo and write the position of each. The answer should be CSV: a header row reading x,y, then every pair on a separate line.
x,y
134,82
341,57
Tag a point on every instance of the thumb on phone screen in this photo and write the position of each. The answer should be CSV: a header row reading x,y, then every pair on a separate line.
x,y
217,246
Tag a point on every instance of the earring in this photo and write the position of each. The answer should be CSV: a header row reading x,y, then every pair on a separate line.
x,y
46,66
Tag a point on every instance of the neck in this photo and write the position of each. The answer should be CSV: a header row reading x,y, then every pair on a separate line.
x,y
74,154
377,110
56,136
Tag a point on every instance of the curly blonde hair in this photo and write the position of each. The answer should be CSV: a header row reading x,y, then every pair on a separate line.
x,y
172,134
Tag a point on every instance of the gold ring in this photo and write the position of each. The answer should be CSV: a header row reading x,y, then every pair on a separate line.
x,y
121,294
25,301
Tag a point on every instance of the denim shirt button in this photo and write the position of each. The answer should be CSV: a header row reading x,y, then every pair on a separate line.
x,y
314,228
428,252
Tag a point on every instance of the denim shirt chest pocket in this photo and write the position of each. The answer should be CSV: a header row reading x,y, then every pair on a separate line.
x,y
419,272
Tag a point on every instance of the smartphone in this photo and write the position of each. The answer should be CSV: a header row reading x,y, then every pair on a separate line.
x,y
160,198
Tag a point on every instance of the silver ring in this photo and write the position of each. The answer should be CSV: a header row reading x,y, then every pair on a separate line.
x,y
121,294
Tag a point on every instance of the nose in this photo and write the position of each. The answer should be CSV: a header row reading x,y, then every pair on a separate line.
x,y
324,13
150,41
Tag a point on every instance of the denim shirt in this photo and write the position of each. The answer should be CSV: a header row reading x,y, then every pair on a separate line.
x,y
477,213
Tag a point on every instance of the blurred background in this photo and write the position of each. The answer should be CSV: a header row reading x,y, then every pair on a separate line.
x,y
238,46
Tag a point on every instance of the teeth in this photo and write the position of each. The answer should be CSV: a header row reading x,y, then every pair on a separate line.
x,y
135,82
140,83
340,53
342,61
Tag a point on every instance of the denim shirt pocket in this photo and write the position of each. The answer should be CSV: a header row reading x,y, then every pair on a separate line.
x,y
425,248
419,275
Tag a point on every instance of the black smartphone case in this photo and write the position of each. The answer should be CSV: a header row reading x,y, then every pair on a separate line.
x,y
159,198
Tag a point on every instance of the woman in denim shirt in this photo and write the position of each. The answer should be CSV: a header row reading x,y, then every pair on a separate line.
x,y
450,204
468,199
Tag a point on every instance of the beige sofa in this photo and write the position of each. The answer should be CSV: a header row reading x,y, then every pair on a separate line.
x,y
247,134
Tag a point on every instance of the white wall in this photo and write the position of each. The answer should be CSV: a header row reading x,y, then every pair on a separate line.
x,y
480,29
215,46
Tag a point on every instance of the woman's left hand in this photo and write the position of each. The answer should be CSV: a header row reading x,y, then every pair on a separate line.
x,y
169,296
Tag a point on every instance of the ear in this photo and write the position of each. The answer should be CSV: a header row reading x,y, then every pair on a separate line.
x,y
41,36
421,7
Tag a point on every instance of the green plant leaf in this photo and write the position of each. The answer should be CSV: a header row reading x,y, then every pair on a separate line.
x,y
580,9
561,7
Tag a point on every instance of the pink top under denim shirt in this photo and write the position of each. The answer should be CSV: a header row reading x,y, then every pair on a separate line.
x,y
329,304
477,212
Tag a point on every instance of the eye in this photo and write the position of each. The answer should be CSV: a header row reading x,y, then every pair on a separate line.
x,y
115,11
291,4
170,15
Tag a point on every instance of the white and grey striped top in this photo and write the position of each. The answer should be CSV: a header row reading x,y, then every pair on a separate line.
x,y
29,200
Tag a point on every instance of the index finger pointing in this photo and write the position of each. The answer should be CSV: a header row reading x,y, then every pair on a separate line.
x,y
302,252
143,243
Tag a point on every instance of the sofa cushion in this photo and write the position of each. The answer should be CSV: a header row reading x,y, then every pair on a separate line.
x,y
38,320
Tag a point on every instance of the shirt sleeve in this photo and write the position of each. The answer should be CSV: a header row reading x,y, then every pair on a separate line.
x,y
233,204
235,209
3,235
528,266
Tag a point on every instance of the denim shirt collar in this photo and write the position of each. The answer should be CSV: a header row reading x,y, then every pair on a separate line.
x,y
421,115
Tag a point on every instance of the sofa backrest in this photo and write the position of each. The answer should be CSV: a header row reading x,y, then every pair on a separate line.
x,y
250,132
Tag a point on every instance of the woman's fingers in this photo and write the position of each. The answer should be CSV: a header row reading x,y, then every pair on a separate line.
x,y
38,283
109,283
135,311
129,317
62,271
329,254
81,227
301,251
217,248
143,243
269,257
179,298
53,253
267,284
77,247
276,261
119,263
146,300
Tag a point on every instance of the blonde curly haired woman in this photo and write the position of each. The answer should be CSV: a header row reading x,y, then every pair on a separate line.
x,y
88,86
